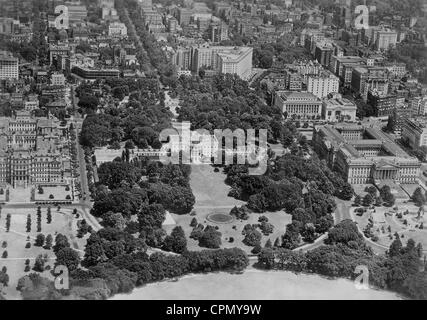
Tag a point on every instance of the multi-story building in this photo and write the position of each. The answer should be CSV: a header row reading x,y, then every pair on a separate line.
x,y
414,132
293,80
369,78
222,59
342,66
336,109
298,104
184,16
7,26
9,67
56,51
364,154
172,25
323,84
418,105
151,16
31,150
76,13
323,53
182,58
219,32
397,70
93,74
385,39
384,105
117,29
57,79
305,69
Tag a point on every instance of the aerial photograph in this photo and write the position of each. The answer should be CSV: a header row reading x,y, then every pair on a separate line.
x,y
207,150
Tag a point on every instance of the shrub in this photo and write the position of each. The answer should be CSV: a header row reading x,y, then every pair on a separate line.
x,y
4,255
51,196
28,245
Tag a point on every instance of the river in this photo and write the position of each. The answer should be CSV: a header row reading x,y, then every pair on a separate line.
x,y
256,285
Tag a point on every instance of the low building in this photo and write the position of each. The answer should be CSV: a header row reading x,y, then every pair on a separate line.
x,y
337,108
303,105
94,73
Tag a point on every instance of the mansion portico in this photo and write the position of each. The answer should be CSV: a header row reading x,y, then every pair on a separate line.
x,y
364,154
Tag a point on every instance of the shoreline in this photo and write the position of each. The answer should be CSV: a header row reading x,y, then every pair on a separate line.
x,y
255,284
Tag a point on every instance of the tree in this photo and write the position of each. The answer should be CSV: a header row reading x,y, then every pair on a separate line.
x,y
252,237
395,247
418,197
40,239
48,242
367,200
113,173
39,264
256,249
344,232
176,241
357,200
68,257
387,196
346,192
61,242
193,222
114,220
88,102
210,238
49,216
28,223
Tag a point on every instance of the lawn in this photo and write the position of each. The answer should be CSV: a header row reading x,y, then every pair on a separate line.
x,y
211,194
383,218
62,222
58,192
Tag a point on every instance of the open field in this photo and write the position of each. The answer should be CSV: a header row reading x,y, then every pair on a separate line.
x,y
62,222
58,193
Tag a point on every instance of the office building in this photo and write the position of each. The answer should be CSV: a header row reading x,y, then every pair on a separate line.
x,y
414,132
323,84
364,155
31,150
303,105
222,59
336,109
9,67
